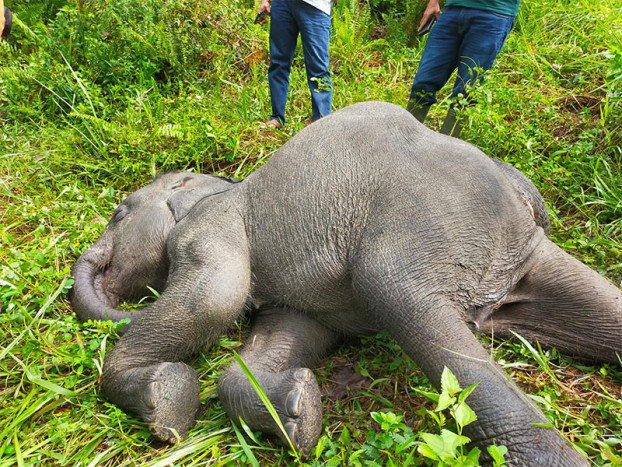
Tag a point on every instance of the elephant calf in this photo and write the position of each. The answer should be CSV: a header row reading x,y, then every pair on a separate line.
x,y
364,221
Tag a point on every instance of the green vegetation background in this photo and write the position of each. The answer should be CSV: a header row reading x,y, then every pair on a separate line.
x,y
98,96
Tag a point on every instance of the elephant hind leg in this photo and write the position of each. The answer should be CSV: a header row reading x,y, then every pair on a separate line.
x,y
562,303
430,327
282,345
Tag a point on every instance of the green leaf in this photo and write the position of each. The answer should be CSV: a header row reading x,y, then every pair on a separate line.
x,y
428,452
467,392
463,414
251,459
433,396
449,383
344,438
319,448
439,417
471,459
34,378
377,416
442,446
434,444
452,441
444,401
264,398
497,453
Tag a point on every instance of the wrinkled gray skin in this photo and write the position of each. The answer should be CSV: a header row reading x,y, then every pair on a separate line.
x,y
364,221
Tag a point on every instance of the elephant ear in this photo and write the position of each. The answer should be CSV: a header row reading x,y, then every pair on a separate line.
x,y
190,188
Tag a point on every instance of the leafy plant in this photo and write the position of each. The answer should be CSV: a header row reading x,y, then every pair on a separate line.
x,y
449,448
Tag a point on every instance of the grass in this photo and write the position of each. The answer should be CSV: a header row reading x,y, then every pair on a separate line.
x,y
97,97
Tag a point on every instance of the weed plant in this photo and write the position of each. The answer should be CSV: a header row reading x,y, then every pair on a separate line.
x,y
98,96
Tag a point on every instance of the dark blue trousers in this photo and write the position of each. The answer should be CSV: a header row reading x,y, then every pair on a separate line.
x,y
288,19
463,38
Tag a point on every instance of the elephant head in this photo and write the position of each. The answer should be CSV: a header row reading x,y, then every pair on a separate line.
x,y
130,256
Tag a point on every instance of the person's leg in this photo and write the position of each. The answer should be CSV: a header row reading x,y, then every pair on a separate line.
x,y
283,37
439,60
483,39
315,34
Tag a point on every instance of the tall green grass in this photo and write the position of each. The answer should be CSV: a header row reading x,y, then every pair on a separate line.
x,y
97,97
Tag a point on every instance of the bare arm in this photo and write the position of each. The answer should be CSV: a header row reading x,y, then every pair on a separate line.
x,y
2,18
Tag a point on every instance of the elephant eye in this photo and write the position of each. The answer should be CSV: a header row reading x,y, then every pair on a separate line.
x,y
120,213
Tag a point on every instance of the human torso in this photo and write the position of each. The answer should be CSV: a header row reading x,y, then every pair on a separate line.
x,y
503,7
322,5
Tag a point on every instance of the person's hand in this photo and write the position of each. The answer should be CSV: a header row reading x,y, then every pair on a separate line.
x,y
265,6
432,10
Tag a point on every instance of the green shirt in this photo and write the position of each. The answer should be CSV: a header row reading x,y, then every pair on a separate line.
x,y
503,7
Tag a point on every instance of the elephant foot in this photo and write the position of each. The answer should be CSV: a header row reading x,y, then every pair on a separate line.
x,y
302,417
295,395
172,401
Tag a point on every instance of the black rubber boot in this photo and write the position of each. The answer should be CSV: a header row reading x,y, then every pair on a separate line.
x,y
417,110
451,125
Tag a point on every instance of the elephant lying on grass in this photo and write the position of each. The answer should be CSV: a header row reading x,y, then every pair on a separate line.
x,y
364,221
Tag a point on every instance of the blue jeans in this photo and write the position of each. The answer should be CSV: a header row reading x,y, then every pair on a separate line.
x,y
288,19
463,38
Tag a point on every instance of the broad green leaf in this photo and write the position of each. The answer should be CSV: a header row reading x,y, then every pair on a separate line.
x,y
319,448
444,401
345,436
471,459
433,396
449,383
434,443
452,441
463,414
497,453
377,416
385,441
428,452
466,392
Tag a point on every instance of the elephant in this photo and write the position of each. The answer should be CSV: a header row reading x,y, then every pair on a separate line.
x,y
363,222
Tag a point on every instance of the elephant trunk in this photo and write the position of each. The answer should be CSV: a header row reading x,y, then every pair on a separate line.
x,y
89,296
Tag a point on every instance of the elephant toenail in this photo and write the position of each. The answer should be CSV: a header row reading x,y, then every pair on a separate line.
x,y
150,394
290,429
293,403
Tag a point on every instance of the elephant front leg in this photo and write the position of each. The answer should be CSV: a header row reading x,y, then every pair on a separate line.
x,y
165,396
281,347
144,373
